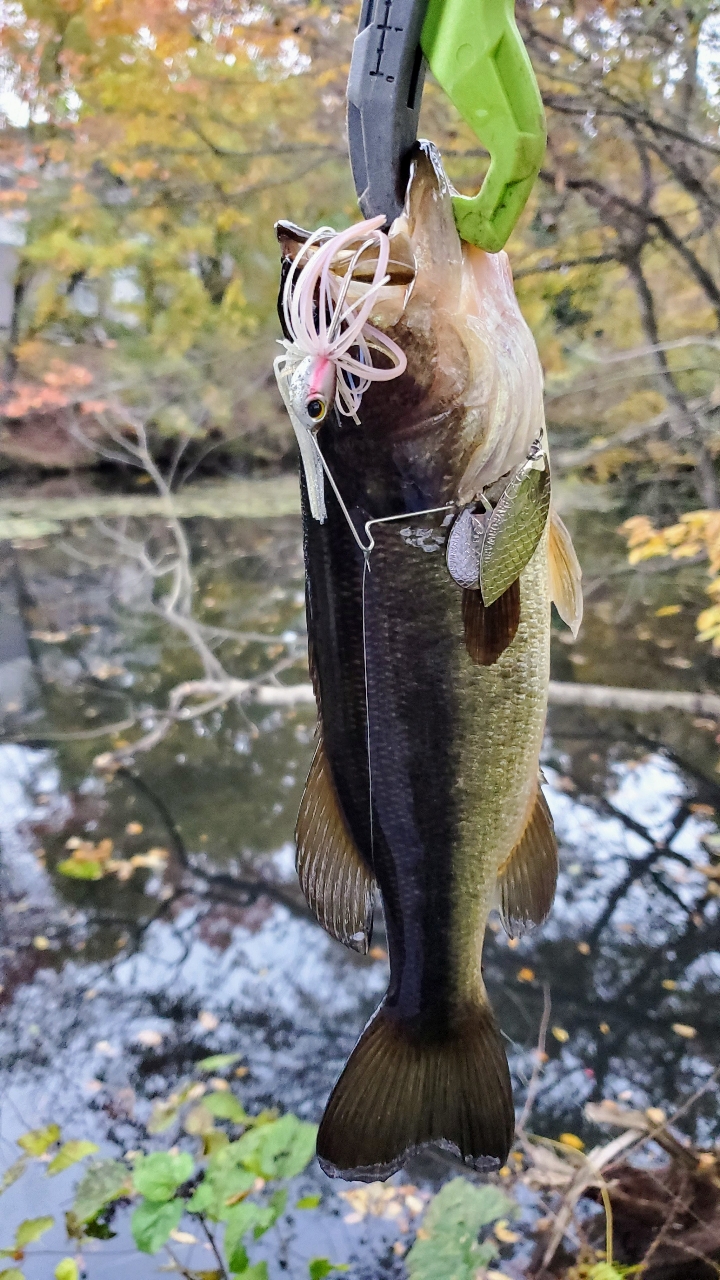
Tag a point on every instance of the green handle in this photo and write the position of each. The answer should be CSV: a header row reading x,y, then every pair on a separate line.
x,y
477,55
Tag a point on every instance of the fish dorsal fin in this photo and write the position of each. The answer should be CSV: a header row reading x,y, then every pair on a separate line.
x,y
338,886
490,629
565,574
527,878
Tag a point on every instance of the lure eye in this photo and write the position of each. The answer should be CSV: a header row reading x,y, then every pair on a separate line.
x,y
316,409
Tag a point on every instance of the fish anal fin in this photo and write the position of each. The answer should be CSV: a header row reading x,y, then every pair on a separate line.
x,y
489,629
565,574
338,886
404,1089
527,878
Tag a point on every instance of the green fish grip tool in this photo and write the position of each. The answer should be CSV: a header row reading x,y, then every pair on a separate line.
x,y
477,55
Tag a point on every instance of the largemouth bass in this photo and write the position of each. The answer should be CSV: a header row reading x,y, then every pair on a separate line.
x,y
430,572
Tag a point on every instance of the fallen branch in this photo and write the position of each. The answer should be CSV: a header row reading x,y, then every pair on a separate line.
x,y
216,693
600,697
265,693
251,499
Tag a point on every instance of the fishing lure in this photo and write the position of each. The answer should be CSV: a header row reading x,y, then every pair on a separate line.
x,y
328,363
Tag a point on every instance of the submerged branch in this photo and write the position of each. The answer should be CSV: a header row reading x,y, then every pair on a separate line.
x,y
601,697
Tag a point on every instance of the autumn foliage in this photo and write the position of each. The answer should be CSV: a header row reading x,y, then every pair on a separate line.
x,y
153,146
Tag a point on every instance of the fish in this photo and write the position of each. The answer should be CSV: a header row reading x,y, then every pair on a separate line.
x,y
430,572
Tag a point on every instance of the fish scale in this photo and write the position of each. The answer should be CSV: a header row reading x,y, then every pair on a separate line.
x,y
431,700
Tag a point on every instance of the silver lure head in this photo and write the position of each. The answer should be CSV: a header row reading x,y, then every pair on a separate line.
x,y
312,390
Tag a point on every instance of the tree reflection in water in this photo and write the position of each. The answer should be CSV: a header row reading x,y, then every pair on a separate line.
x,y
213,949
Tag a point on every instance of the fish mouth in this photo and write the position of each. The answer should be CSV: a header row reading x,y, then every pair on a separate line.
x,y
401,268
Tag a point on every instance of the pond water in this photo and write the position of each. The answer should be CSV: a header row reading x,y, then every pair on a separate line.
x,y
114,989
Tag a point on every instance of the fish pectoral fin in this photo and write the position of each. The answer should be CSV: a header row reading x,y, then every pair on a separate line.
x,y
565,574
527,878
338,886
489,629
405,1088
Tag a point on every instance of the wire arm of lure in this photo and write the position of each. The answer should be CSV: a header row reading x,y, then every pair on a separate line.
x,y
404,515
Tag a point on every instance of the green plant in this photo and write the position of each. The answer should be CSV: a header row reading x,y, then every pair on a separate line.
x,y
447,1245
233,1185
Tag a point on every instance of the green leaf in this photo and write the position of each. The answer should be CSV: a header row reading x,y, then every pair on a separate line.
x,y
199,1121
213,1141
280,1149
31,1230
258,1272
318,1268
224,1178
67,1270
69,1154
270,1213
165,1110
152,1223
157,1177
12,1174
98,1230
308,1202
239,1221
76,870
247,1216
453,1221
37,1141
217,1061
606,1271
11,1273
102,1183
225,1106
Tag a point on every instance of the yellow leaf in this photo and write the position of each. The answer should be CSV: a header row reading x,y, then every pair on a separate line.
x,y
526,975
656,1115
503,1233
561,1034
682,1029
572,1140
668,610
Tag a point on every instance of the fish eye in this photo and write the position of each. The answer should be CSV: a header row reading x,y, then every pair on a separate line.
x,y
316,409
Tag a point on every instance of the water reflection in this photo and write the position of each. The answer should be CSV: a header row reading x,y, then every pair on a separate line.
x,y
210,946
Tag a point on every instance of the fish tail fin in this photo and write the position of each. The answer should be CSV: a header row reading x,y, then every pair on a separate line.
x,y
401,1091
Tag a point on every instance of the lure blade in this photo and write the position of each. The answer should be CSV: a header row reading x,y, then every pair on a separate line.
x,y
516,526
464,549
